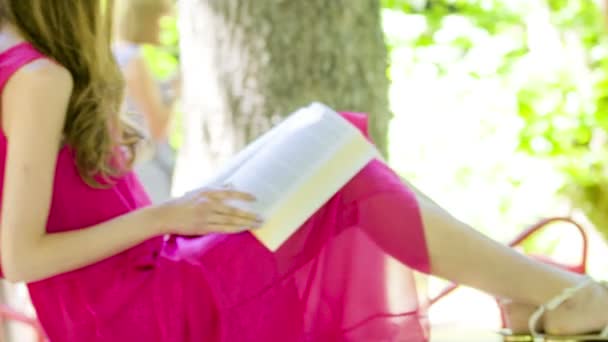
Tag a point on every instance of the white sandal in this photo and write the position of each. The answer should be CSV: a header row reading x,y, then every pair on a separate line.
x,y
551,305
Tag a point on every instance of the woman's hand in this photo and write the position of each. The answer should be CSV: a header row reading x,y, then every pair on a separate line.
x,y
204,211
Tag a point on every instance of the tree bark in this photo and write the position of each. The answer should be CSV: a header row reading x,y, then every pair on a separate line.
x,y
248,63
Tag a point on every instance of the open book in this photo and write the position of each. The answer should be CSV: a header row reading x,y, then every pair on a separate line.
x,y
295,168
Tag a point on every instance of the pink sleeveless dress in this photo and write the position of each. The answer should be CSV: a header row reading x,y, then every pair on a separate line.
x,y
327,283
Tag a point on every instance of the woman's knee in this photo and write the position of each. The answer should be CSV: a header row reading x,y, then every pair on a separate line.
x,y
375,178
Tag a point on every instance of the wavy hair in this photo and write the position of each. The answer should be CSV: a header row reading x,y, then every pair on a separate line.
x,y
77,35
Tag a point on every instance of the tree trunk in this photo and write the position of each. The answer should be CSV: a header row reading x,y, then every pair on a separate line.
x,y
248,63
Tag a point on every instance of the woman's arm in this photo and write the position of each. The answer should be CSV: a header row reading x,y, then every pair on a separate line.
x,y
34,104
146,94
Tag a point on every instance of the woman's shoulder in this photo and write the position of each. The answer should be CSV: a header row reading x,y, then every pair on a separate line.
x,y
43,74
23,64
37,92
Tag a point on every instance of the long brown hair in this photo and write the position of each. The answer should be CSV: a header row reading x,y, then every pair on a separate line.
x,y
77,34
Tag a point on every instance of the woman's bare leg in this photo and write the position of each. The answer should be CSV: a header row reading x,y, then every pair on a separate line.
x,y
459,253
414,230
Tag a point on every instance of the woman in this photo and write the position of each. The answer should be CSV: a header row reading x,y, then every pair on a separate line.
x,y
148,107
77,226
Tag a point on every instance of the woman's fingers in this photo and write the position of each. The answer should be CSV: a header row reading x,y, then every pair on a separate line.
x,y
228,194
222,217
214,218
228,210
231,223
222,228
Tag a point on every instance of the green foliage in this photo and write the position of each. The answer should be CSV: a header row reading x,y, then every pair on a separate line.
x,y
164,58
572,129
564,110
491,16
475,19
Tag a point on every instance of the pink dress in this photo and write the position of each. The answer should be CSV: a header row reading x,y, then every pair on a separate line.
x,y
327,283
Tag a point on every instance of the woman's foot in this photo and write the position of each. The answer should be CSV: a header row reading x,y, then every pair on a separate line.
x,y
584,313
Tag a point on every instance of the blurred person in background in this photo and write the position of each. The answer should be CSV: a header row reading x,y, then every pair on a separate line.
x,y
149,102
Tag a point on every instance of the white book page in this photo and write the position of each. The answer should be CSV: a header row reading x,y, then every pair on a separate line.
x,y
301,202
229,168
311,138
